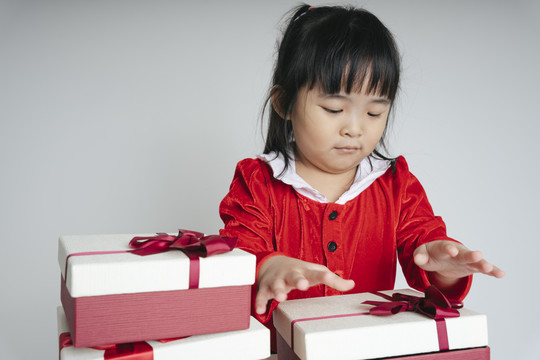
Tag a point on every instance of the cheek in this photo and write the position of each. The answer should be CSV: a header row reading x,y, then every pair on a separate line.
x,y
311,128
382,126
377,132
381,129
312,141
309,139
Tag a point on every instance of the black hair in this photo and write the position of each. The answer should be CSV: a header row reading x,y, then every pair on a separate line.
x,y
337,48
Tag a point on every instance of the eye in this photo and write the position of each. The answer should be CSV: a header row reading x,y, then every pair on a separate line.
x,y
373,115
332,111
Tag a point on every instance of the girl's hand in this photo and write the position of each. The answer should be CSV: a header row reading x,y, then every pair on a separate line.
x,y
281,274
450,261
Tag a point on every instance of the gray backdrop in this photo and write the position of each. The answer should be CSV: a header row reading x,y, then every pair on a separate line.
x,y
129,117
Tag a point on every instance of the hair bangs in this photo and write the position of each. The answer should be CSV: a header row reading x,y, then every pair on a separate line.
x,y
359,60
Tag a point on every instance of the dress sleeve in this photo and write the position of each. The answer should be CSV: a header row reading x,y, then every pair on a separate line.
x,y
418,225
247,214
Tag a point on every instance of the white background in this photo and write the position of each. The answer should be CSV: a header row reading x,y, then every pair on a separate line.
x,y
129,116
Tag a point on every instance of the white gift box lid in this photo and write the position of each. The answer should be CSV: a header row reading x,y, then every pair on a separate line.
x,y
250,344
124,273
370,336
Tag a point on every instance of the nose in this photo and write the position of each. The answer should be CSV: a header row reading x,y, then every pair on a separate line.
x,y
353,127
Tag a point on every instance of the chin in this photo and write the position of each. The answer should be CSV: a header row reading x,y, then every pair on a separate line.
x,y
341,170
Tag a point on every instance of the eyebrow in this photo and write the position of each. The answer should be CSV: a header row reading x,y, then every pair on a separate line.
x,y
383,101
377,100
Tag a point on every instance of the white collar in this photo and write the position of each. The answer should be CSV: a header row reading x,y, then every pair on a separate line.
x,y
368,171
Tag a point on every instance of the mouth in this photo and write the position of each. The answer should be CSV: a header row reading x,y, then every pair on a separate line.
x,y
347,149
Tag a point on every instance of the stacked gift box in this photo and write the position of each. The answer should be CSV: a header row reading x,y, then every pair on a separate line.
x,y
164,296
126,295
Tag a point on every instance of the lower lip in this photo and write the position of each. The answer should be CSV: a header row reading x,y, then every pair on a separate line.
x,y
347,150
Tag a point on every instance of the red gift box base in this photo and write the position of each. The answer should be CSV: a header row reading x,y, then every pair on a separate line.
x,y
115,319
481,353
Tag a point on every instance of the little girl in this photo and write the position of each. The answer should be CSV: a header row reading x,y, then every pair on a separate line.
x,y
322,208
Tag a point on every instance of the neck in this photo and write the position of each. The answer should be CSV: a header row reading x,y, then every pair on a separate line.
x,y
332,186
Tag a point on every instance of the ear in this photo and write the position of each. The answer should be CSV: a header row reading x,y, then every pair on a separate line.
x,y
277,95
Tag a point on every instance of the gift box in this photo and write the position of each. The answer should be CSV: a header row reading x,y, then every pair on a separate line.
x,y
112,293
481,353
346,327
249,344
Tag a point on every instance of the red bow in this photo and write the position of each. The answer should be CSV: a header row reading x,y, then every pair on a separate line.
x,y
139,350
434,305
192,243
186,241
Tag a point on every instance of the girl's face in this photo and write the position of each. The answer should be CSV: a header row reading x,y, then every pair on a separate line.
x,y
335,132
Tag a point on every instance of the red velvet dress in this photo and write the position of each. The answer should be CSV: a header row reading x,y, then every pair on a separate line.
x,y
361,240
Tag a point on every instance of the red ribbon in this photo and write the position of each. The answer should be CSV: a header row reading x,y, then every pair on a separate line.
x,y
434,305
64,340
187,241
193,244
139,350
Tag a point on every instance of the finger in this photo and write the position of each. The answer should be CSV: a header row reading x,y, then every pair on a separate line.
x,y
496,272
337,282
472,256
420,255
444,250
278,290
330,279
476,259
267,293
481,266
296,280
261,301
451,250
490,269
